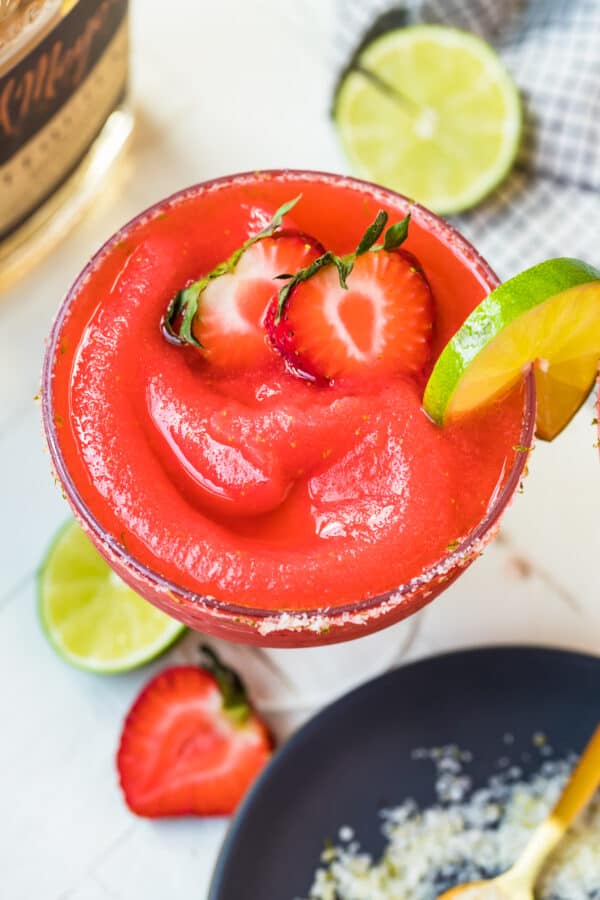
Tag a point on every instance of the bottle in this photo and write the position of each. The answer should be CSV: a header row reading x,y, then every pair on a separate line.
x,y
64,118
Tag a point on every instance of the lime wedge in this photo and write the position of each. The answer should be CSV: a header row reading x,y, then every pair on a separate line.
x,y
548,315
431,112
91,617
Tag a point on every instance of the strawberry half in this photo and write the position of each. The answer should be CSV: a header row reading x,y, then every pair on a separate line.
x,y
222,314
368,312
191,745
229,323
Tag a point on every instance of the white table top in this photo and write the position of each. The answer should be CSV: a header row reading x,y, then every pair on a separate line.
x,y
219,87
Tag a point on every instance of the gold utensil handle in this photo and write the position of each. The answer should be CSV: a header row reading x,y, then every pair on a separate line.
x,y
578,791
582,785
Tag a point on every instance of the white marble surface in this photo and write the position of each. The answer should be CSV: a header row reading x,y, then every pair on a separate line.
x,y
219,87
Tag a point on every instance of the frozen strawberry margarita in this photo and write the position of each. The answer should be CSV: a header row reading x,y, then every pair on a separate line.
x,y
234,437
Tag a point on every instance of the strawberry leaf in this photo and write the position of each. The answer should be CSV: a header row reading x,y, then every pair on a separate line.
x,y
372,233
169,319
176,324
231,686
344,268
189,306
277,219
396,234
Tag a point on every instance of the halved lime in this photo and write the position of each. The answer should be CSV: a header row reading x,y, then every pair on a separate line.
x,y
548,315
431,112
92,618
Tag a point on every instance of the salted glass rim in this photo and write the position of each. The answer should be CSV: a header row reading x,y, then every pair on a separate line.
x,y
447,563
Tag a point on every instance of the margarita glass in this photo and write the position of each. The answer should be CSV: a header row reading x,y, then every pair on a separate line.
x,y
460,278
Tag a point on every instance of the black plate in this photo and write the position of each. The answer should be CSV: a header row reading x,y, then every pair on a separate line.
x,y
355,756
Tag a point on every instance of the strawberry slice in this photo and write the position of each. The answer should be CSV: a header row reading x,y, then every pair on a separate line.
x,y
381,322
229,323
191,744
222,313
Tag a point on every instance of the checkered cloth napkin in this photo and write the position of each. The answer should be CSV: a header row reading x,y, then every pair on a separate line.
x,y
550,203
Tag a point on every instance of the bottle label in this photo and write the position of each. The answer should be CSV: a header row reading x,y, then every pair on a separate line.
x,y
55,100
